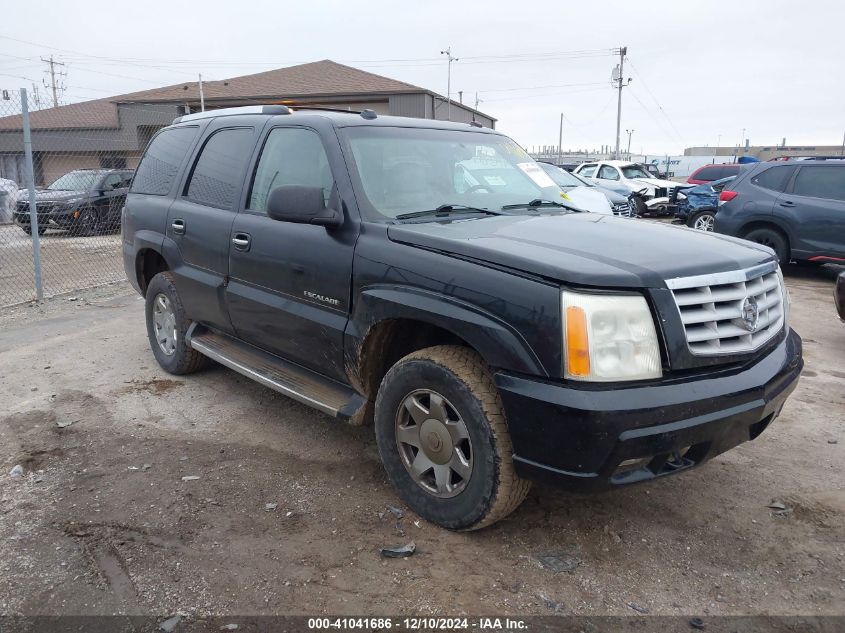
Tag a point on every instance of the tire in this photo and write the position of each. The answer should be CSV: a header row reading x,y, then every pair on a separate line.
x,y
771,238
703,221
491,490
641,207
28,229
87,224
181,359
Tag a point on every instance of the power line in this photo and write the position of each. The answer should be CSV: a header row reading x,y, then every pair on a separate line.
x,y
660,107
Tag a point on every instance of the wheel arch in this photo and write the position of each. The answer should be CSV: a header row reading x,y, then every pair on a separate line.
x,y
390,323
148,263
768,223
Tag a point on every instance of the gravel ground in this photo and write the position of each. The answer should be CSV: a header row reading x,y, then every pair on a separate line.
x,y
103,520
69,262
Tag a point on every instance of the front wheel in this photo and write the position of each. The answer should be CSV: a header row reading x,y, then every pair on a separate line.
x,y
166,328
442,435
703,221
773,239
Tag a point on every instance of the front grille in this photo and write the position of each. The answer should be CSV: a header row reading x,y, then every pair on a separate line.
x,y
732,312
625,209
661,192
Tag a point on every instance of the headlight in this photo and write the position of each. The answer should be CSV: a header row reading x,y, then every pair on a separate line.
x,y
609,338
786,300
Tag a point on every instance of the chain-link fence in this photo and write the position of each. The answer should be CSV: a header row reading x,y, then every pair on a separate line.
x,y
82,161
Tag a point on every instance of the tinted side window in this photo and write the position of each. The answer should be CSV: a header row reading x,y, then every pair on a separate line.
x,y
218,173
291,156
158,168
709,174
820,182
774,178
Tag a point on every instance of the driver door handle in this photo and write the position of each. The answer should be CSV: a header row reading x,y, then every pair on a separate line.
x,y
241,241
787,203
178,226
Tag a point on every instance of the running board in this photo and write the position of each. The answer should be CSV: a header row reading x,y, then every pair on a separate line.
x,y
289,379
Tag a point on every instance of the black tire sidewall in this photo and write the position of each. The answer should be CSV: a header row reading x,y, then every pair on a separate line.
x,y
176,362
473,503
780,245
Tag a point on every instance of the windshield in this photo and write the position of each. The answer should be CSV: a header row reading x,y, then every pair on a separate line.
x,y
76,181
408,170
634,171
561,177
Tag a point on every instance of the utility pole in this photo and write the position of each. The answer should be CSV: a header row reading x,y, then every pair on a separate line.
x,y
52,85
202,96
560,142
620,79
448,54
477,100
461,97
843,146
718,144
630,133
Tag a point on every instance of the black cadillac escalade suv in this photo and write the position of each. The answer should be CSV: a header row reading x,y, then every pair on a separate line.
x,y
427,277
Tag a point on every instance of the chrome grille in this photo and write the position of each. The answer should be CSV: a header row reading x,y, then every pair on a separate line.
x,y
625,209
732,312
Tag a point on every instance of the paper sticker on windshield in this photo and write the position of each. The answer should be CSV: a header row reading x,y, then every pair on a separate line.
x,y
535,173
496,181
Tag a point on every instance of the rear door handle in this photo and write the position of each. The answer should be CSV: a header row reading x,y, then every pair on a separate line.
x,y
787,203
241,241
178,226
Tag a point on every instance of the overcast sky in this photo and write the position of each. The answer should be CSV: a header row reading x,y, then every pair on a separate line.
x,y
700,69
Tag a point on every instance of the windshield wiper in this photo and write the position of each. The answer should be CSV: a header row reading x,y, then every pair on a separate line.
x,y
445,210
539,202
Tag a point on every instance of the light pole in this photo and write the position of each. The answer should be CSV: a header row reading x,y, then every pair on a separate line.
x,y
630,134
448,54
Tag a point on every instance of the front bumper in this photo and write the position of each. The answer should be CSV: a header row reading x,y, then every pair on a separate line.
x,y
592,439
58,219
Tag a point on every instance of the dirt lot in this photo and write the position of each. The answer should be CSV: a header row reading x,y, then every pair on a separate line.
x,y
102,521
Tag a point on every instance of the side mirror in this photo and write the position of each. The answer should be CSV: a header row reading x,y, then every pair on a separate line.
x,y
301,205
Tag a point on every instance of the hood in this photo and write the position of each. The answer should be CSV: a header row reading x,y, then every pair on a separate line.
x,y
656,182
48,195
586,248
588,199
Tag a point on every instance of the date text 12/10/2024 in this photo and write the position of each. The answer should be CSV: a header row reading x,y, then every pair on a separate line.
x,y
486,624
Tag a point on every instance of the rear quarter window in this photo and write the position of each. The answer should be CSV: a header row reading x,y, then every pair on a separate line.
x,y
820,182
160,164
774,178
219,170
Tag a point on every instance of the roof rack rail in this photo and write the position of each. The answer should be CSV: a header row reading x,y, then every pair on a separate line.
x,y
209,114
294,107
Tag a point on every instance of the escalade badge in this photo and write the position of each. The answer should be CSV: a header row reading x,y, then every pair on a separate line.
x,y
750,314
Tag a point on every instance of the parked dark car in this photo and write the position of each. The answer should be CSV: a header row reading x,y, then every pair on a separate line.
x,y
490,333
796,208
710,173
839,295
696,206
83,201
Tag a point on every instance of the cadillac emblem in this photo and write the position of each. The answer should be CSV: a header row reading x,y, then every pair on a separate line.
x,y
750,314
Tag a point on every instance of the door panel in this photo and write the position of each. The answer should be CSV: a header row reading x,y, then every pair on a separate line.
x,y
819,221
200,221
289,285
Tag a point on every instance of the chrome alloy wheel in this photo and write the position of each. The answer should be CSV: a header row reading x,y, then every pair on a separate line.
x,y
704,222
164,323
434,443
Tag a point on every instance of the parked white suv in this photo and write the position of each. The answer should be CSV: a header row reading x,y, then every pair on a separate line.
x,y
654,191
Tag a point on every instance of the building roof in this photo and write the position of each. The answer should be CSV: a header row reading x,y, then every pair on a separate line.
x,y
315,79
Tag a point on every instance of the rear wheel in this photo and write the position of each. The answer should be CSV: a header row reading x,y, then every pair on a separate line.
x,y
442,436
771,238
166,328
703,221
28,229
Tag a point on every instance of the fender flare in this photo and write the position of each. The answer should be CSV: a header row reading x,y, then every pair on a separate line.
x,y
500,345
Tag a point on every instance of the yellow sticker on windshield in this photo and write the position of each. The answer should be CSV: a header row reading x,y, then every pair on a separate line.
x,y
564,196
